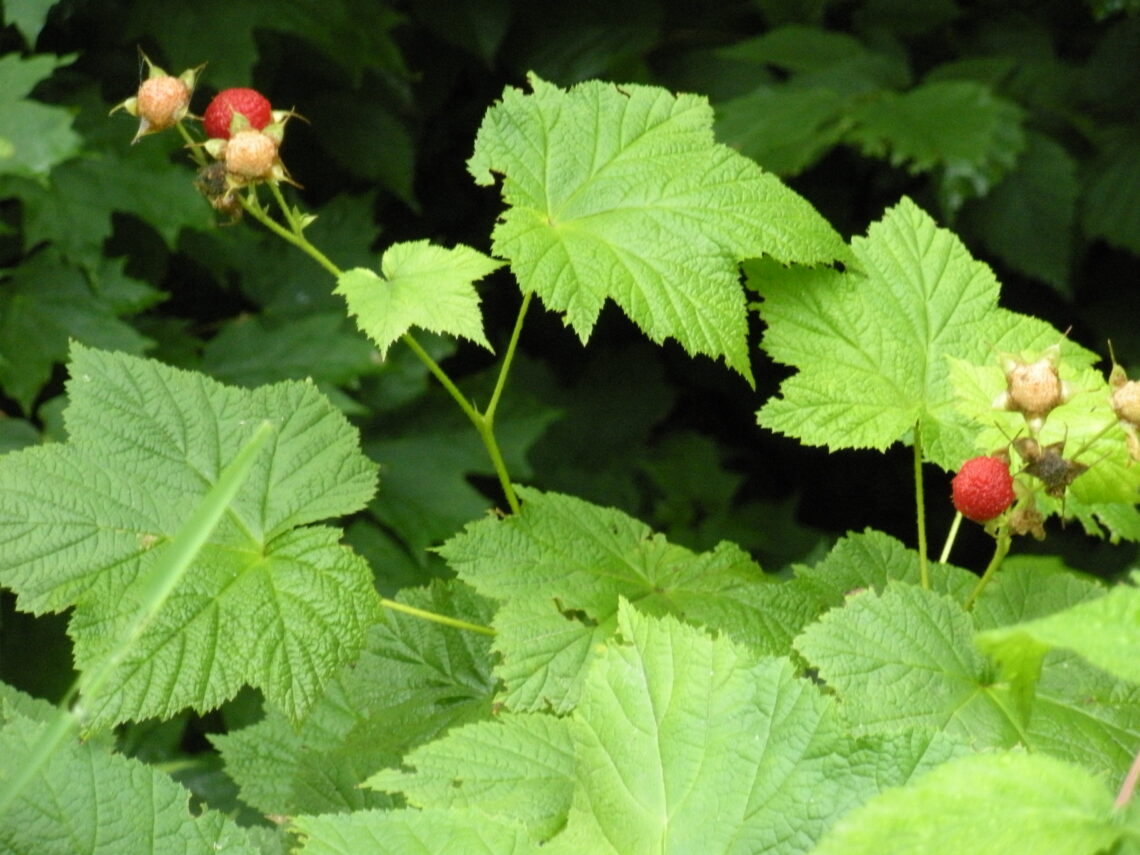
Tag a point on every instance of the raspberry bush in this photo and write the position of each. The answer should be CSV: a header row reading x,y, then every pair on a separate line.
x,y
341,511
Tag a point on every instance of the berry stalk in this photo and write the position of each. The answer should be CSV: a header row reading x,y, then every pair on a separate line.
x,y
920,508
1004,538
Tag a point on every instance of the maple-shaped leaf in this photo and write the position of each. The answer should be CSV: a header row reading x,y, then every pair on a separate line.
x,y
622,193
871,347
419,285
485,766
906,659
685,743
988,804
680,742
559,568
86,799
412,832
33,136
960,126
412,681
269,600
1106,631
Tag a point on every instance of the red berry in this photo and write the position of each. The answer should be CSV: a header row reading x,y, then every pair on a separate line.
x,y
249,102
983,488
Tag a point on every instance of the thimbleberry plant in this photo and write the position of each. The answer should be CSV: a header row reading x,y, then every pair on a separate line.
x,y
554,675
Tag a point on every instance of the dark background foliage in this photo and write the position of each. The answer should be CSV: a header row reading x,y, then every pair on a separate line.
x,y
1016,124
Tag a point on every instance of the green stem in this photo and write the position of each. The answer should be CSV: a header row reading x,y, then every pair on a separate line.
x,y
1000,550
920,508
508,358
294,235
483,422
435,618
444,380
192,144
487,434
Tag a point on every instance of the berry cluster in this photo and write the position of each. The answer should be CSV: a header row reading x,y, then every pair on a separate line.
x,y
244,133
984,488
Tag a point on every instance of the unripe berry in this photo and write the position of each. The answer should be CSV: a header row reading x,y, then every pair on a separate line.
x,y
162,101
250,154
982,489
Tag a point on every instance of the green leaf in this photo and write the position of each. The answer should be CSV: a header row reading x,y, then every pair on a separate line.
x,y
797,48
873,560
419,285
1028,219
689,744
375,145
860,561
88,800
43,305
408,832
486,766
903,659
559,569
872,348
1107,209
1102,9
1106,631
36,136
73,212
906,659
413,680
252,351
621,193
29,16
1083,715
270,601
1075,711
961,127
354,35
992,804
785,130
1029,587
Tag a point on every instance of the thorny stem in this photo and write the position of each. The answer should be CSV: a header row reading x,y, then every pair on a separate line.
x,y
1000,551
920,508
482,421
